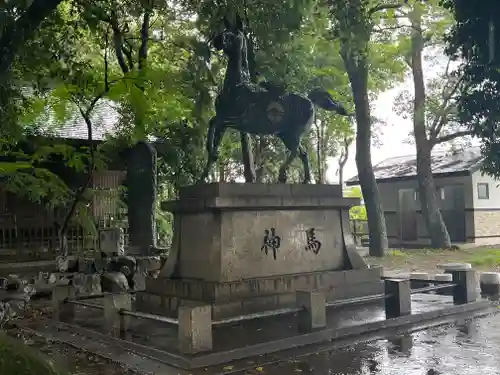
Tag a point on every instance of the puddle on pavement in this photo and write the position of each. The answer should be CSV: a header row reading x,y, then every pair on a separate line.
x,y
467,348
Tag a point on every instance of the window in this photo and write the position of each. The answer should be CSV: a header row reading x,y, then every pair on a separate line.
x,y
483,190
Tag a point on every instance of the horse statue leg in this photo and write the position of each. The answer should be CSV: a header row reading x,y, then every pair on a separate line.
x,y
247,157
304,157
216,130
292,143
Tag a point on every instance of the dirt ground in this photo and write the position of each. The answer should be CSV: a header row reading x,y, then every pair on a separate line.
x,y
429,260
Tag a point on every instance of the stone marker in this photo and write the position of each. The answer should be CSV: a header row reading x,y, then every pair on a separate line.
x,y
313,310
419,276
114,322
397,298
490,283
455,266
87,283
112,242
60,309
195,328
465,290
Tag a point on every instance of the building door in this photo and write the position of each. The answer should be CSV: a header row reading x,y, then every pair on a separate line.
x,y
453,211
408,215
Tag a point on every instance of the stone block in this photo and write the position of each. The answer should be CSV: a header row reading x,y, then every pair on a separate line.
x,y
112,241
195,328
422,277
448,267
114,322
398,298
87,284
61,310
313,310
465,290
490,283
248,231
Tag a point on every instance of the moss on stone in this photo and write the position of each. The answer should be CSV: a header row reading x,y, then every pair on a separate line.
x,y
16,358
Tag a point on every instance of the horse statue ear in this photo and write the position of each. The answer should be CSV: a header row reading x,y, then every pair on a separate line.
x,y
227,24
239,23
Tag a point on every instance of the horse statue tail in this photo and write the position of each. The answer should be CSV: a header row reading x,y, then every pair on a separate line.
x,y
324,100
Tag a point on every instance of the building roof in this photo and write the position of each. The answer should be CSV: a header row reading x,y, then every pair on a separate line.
x,y
104,122
404,167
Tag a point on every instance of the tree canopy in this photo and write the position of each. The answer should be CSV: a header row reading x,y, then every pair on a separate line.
x,y
474,41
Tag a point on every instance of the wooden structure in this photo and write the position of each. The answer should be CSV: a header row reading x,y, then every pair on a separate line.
x,y
28,230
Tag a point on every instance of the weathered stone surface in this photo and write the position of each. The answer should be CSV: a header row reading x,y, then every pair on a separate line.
x,y
114,282
114,322
398,298
256,231
490,283
250,296
112,241
313,310
448,267
195,329
87,283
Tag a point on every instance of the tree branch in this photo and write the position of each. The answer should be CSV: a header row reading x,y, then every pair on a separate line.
x,y
118,43
380,7
440,120
86,113
143,49
452,136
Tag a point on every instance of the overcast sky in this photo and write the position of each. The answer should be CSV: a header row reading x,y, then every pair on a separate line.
x,y
397,131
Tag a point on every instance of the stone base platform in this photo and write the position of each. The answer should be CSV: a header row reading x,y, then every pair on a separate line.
x,y
228,299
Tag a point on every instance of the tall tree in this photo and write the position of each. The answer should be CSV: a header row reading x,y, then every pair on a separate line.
x,y
474,42
432,105
353,25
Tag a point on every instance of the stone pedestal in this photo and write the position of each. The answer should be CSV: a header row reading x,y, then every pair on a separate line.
x,y
249,247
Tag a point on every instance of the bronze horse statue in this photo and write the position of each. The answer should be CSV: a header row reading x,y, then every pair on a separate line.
x,y
259,109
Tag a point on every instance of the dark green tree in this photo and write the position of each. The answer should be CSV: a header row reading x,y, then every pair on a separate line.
x,y
474,41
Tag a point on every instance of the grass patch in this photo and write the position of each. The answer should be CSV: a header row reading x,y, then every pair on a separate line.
x,y
396,253
489,258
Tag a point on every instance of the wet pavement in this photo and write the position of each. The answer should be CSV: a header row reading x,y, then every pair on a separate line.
x,y
467,348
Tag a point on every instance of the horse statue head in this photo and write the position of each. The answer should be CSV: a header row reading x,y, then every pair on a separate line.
x,y
231,40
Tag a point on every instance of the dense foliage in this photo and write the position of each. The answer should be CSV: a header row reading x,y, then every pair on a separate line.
x,y
474,42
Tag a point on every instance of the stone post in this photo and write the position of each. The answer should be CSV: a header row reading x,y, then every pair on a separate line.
x,y
112,242
490,283
313,310
465,290
114,322
195,328
141,198
61,310
397,298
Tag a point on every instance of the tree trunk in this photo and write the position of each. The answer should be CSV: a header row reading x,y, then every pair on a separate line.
x,y
247,157
426,186
357,70
319,161
259,160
